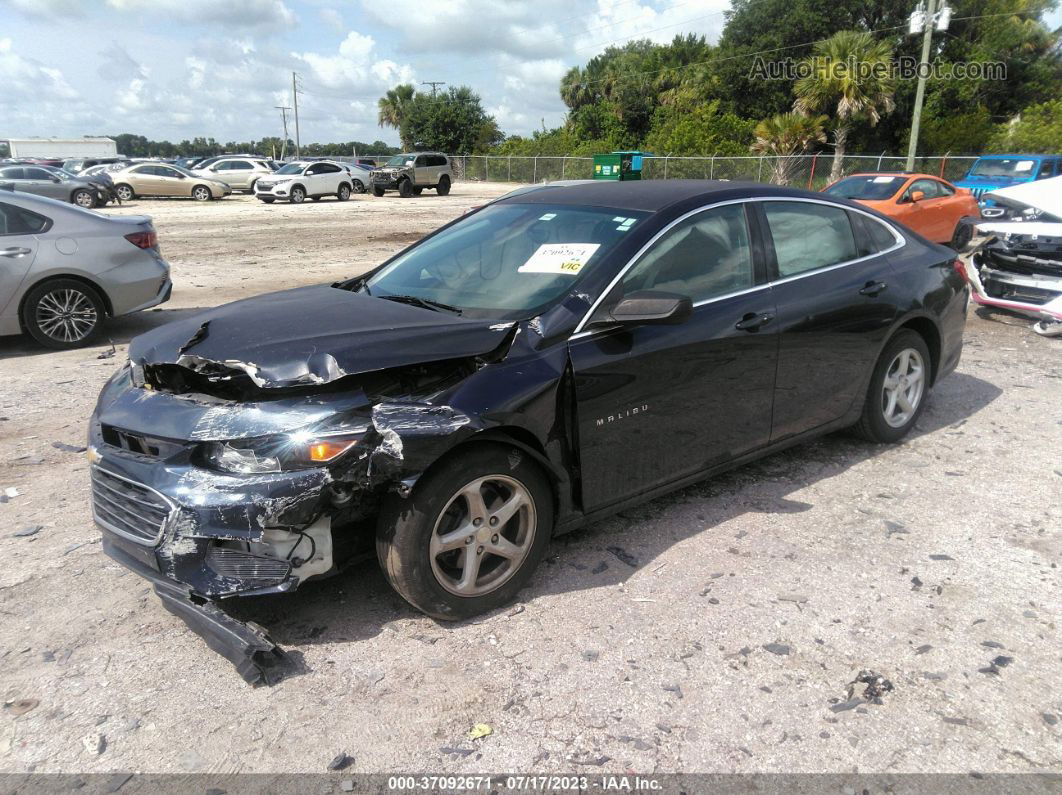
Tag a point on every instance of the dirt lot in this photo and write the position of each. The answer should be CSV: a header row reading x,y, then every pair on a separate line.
x,y
753,600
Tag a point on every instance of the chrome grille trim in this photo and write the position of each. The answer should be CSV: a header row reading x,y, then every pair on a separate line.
x,y
130,509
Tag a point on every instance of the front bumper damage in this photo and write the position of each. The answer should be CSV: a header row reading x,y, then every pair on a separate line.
x,y
1021,273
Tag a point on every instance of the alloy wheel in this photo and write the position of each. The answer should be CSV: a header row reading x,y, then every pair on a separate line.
x,y
903,387
201,194
66,315
84,199
483,535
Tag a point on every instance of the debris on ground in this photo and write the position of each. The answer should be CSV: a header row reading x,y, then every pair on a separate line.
x,y
923,649
69,448
108,354
340,762
992,644
624,556
1002,661
21,706
8,494
876,686
454,751
777,648
94,743
26,532
941,557
480,730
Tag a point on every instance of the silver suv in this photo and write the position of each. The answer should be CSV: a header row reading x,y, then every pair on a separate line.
x,y
411,173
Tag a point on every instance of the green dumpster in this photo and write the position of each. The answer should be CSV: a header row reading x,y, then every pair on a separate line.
x,y
618,165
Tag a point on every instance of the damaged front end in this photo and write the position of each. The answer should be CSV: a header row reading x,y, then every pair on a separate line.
x,y
1019,268
215,477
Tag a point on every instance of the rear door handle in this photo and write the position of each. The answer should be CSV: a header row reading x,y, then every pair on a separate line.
x,y
873,288
14,252
753,320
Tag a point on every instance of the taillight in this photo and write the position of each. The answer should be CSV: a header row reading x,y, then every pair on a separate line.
x,y
143,239
960,268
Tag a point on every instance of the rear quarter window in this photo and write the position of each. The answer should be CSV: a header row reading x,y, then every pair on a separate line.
x,y
17,221
808,236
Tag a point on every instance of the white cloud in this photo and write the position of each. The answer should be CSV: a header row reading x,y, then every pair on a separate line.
x,y
333,19
55,9
263,14
118,64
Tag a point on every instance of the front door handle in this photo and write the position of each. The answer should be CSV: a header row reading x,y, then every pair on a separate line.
x,y
14,252
873,288
753,321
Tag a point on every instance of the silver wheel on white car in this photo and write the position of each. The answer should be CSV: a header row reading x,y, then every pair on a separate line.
x,y
201,193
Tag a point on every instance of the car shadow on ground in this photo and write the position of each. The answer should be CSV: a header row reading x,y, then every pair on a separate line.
x,y
117,331
358,604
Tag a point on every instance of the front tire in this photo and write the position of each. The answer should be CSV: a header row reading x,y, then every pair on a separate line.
x,y
470,535
343,193
405,189
63,313
962,236
84,198
443,187
377,191
201,193
124,192
359,186
267,201
898,389
298,195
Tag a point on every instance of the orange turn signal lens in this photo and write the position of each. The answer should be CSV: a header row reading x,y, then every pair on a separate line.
x,y
324,451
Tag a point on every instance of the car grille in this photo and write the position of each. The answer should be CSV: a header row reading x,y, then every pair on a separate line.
x,y
247,567
128,508
979,192
264,185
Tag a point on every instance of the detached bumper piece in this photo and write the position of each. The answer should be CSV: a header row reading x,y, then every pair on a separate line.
x,y
245,644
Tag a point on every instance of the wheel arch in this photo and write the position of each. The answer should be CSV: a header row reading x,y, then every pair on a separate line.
x,y
928,330
77,277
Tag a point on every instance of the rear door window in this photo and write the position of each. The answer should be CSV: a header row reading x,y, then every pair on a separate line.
x,y
808,236
17,221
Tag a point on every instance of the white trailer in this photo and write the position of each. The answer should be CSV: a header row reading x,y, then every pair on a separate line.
x,y
62,147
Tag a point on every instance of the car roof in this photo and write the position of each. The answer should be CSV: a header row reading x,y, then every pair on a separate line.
x,y
655,194
1017,155
905,174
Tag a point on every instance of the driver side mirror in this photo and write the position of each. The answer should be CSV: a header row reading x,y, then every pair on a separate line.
x,y
917,195
651,307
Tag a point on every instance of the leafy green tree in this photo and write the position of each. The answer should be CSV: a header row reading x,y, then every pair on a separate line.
x,y
846,76
393,107
453,121
785,136
1037,130
705,130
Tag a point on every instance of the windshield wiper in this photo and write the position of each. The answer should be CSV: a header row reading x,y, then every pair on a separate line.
x,y
426,303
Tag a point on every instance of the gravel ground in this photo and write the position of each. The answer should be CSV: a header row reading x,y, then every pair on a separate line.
x,y
722,637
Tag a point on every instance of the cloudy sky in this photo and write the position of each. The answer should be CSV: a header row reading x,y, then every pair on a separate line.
x,y
174,69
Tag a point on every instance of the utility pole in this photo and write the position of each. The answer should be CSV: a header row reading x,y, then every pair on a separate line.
x,y
433,84
295,102
924,20
284,115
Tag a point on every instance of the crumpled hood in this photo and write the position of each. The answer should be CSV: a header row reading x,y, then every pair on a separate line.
x,y
313,335
1043,194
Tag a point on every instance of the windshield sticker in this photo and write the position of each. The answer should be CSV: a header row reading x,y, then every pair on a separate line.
x,y
1024,165
884,179
566,258
547,217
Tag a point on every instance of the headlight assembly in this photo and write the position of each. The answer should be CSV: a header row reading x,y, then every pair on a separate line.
x,y
281,453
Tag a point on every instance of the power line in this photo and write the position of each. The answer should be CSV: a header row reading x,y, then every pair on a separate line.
x,y
284,115
295,102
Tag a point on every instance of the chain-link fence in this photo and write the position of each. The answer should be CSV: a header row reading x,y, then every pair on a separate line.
x,y
801,171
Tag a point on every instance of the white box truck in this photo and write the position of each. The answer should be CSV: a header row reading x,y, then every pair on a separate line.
x,y
62,147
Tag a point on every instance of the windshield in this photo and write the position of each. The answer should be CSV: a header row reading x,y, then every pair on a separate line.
x,y
184,171
508,261
868,188
1004,167
399,160
292,168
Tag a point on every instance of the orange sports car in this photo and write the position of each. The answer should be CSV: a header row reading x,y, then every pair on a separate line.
x,y
931,206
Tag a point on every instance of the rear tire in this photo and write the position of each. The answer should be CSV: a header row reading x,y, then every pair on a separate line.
x,y
405,189
421,541
124,192
377,191
343,193
298,195
443,188
268,201
359,186
63,313
962,236
899,388
201,193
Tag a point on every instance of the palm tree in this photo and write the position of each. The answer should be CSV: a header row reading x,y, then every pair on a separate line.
x,y
393,106
785,136
848,72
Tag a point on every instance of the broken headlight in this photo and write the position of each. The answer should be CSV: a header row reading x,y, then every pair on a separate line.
x,y
282,453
